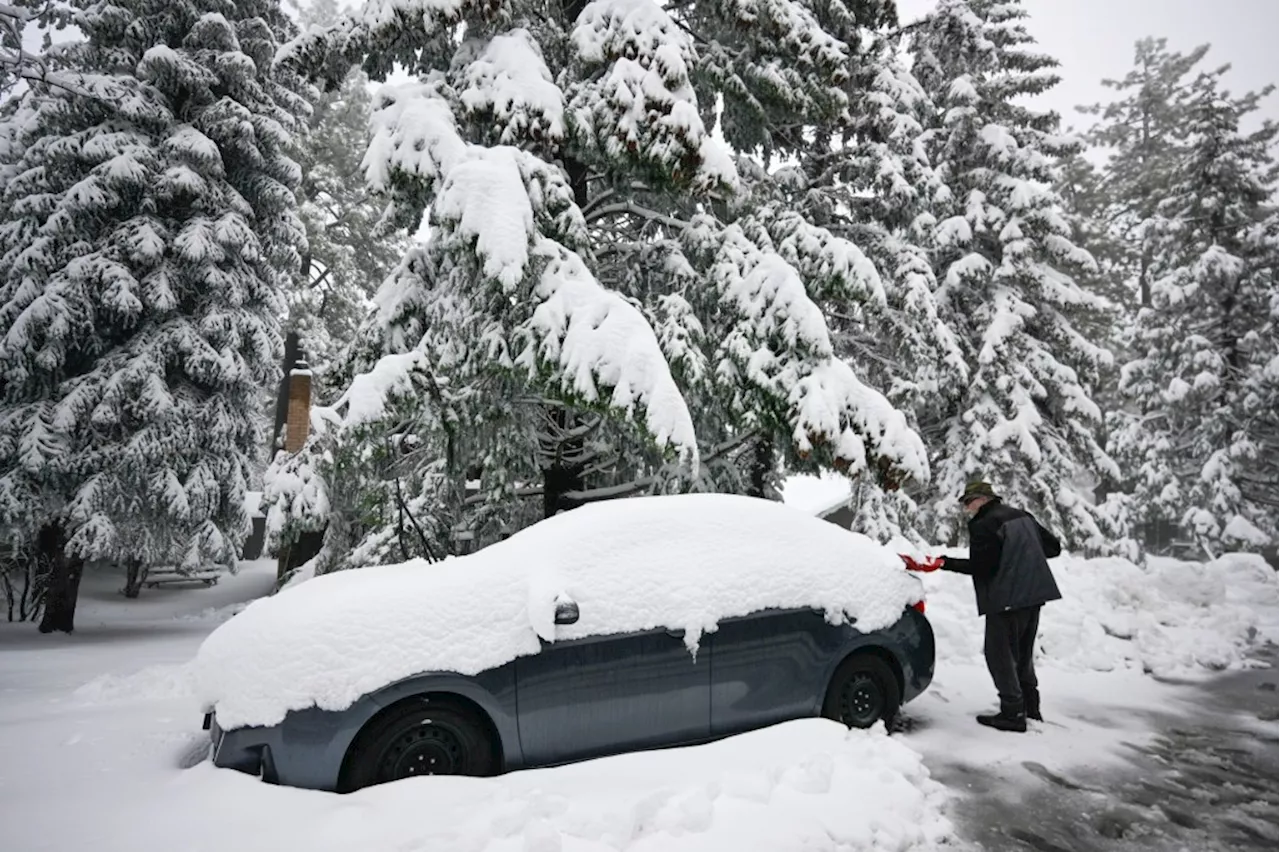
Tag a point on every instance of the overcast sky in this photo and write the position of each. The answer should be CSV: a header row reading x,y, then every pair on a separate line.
x,y
1093,39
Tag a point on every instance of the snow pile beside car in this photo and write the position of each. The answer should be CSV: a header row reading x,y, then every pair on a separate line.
x,y
1170,618
679,562
808,784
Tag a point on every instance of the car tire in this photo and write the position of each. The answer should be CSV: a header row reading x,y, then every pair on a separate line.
x,y
420,737
863,691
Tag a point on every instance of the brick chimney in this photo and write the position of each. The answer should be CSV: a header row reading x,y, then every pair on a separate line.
x,y
298,420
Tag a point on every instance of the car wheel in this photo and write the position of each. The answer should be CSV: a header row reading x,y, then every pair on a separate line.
x,y
863,691
426,737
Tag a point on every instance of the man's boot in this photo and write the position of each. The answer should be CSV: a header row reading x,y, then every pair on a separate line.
x,y
1010,718
1031,698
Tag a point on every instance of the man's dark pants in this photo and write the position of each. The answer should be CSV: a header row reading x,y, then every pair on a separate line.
x,y
1010,651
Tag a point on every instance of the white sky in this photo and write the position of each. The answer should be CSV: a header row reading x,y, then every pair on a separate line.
x,y
1093,39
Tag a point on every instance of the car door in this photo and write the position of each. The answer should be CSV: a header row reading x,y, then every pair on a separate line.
x,y
603,695
769,666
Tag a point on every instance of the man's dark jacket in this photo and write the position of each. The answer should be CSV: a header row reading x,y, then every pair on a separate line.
x,y
1008,559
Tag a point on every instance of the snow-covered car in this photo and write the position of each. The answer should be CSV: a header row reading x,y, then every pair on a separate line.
x,y
626,625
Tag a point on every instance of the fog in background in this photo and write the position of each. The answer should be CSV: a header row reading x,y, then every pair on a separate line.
x,y
1093,39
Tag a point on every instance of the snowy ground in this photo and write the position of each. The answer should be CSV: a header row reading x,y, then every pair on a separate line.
x,y
102,748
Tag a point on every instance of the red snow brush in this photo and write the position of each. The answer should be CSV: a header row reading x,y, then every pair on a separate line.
x,y
930,563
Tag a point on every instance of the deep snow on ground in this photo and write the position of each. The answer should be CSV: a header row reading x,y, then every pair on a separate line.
x,y
102,747
1106,653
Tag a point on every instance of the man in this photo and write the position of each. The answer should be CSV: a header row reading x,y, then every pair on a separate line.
x,y
1008,561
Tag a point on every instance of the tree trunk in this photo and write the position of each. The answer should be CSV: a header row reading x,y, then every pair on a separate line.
x,y
761,468
134,575
562,475
64,581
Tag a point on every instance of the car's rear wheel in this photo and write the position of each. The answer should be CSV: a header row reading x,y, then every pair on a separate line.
x,y
426,737
863,691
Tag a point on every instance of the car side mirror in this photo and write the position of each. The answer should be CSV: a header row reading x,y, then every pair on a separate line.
x,y
566,612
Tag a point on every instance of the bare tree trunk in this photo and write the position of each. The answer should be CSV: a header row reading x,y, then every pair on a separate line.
x,y
64,581
761,467
8,591
134,576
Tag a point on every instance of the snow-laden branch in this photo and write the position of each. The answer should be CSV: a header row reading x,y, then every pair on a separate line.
x,y
778,343
636,99
632,208
595,337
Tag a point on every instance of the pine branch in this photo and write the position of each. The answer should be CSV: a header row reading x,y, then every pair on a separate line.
x,y
405,512
634,209
644,483
597,200
477,499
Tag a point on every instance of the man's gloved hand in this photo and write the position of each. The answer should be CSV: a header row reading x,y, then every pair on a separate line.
x,y
929,563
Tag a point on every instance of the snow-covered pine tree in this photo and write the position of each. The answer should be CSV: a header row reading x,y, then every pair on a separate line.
x,y
1088,205
1260,484
1112,207
146,243
1087,208
1141,131
872,184
592,260
349,255
1201,442
1007,277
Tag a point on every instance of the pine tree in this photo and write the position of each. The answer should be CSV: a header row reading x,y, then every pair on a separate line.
x,y
602,308
1200,440
1141,130
1113,211
349,254
1089,204
1260,398
874,186
1009,277
147,240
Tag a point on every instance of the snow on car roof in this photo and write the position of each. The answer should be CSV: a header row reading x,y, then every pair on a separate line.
x,y
679,561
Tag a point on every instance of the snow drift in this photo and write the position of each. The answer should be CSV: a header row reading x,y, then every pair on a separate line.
x,y
1171,618
682,562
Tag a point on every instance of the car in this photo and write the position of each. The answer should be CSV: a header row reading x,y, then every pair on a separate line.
x,y
643,623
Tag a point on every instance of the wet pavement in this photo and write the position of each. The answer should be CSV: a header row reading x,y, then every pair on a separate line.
x,y
1206,783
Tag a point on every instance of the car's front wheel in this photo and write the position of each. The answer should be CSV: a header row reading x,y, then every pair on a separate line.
x,y
863,691
426,737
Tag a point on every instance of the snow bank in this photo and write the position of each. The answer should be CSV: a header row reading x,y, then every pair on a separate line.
x,y
808,784
153,682
1171,618
682,562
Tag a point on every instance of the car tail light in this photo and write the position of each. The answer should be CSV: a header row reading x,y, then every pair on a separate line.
x,y
918,606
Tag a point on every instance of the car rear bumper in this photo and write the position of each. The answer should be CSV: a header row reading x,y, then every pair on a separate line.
x,y
919,654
